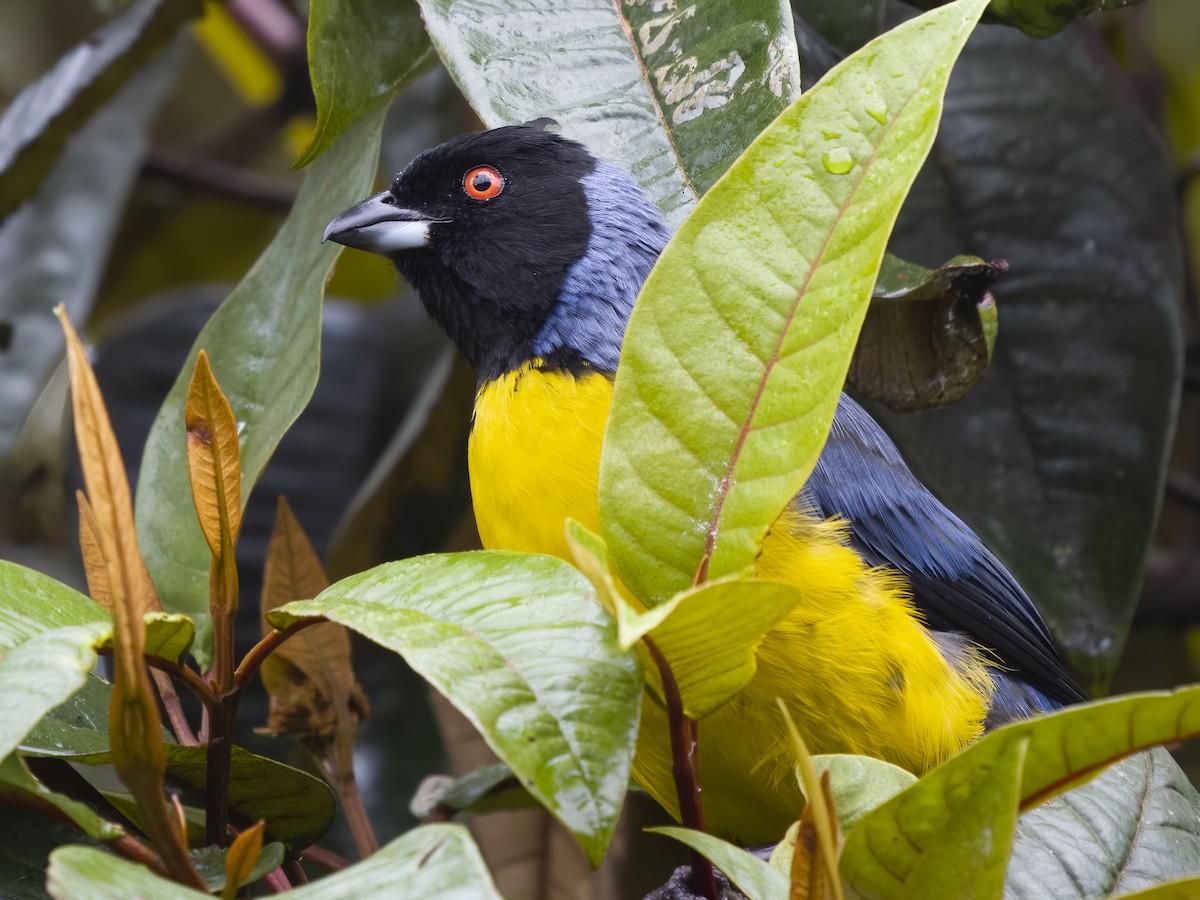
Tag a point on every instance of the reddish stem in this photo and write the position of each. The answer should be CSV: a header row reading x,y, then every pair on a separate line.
x,y
684,746
255,655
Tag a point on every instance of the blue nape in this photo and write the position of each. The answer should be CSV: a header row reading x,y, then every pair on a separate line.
x,y
628,233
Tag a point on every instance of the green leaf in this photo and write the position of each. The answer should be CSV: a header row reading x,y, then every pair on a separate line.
x,y
19,787
210,863
296,806
359,55
672,95
77,872
1066,748
753,877
32,603
928,335
859,784
264,345
431,861
1187,889
72,215
168,636
28,842
708,441
976,839
1041,18
488,788
48,634
1133,826
36,125
519,645
1084,388
708,635
76,728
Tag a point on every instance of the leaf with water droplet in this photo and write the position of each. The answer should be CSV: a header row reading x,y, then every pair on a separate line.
x,y
837,161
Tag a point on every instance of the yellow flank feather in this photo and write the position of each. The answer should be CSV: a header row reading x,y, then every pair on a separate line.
x,y
858,671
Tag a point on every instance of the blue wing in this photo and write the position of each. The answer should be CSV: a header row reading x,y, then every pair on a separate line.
x,y
957,583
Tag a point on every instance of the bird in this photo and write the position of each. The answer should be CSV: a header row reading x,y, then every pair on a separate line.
x,y
910,639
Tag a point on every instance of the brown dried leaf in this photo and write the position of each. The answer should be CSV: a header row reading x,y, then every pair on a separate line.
x,y
93,557
135,728
108,493
811,876
310,678
214,460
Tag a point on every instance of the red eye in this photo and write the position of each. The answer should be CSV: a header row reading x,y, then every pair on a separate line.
x,y
483,183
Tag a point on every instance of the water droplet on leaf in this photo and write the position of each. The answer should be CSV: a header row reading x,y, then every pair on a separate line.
x,y
837,161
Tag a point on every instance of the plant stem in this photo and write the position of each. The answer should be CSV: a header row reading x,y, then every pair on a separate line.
x,y
197,685
325,859
134,850
340,775
684,745
255,655
170,701
219,762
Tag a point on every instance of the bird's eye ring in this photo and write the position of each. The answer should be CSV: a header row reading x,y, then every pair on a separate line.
x,y
483,183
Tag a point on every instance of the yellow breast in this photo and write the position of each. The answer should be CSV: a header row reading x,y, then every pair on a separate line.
x,y
854,664
534,457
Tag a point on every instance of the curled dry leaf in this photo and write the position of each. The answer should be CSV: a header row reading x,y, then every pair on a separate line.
x,y
314,693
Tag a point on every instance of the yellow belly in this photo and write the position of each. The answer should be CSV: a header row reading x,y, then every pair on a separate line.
x,y
856,668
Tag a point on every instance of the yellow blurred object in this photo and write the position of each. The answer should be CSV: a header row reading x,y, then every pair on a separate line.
x,y
298,133
252,75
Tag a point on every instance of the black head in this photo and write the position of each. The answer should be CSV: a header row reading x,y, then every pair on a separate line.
x,y
521,244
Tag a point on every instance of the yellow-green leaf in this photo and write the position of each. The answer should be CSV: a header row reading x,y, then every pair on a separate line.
x,y
239,862
709,439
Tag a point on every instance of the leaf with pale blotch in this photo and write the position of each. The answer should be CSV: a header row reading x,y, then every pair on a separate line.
x,y
928,335
1066,748
310,678
214,459
708,440
94,567
241,859
752,876
671,94
519,645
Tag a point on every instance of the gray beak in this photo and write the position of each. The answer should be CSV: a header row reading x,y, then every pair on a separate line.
x,y
379,225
